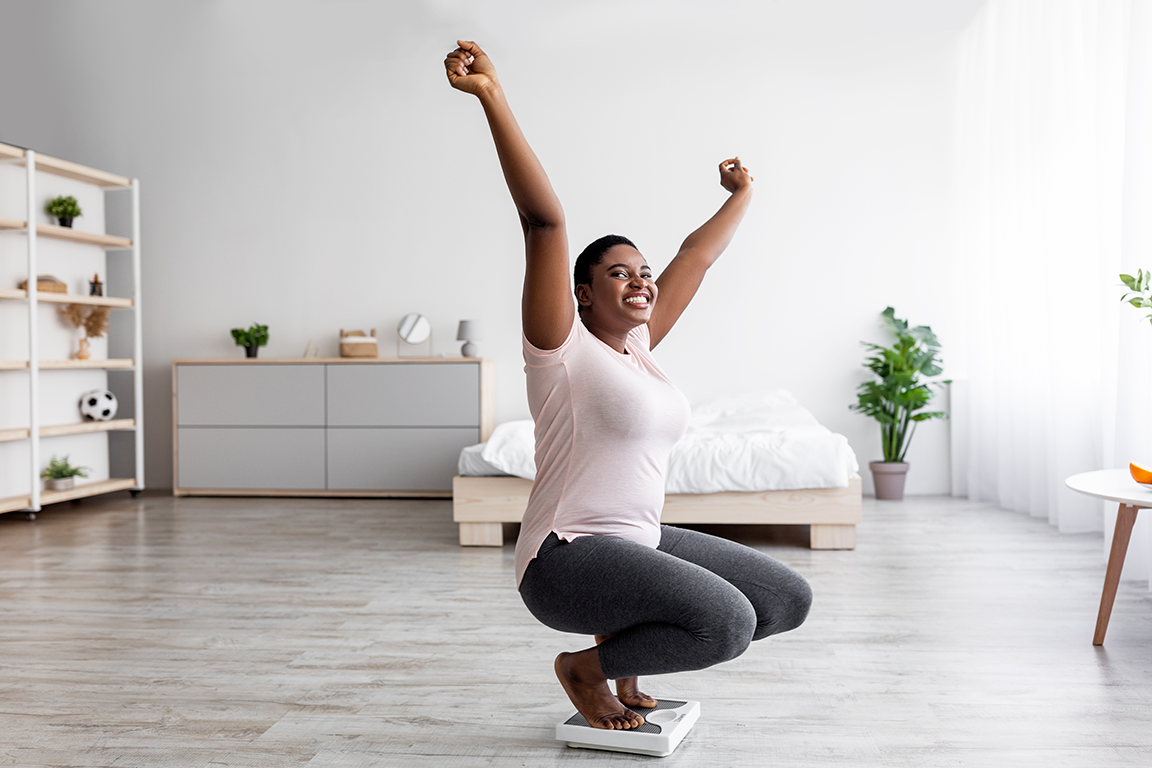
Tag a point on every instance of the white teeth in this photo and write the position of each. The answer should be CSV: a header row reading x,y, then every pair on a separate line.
x,y
637,300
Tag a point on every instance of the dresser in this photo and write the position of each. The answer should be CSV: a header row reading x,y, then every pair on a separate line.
x,y
326,426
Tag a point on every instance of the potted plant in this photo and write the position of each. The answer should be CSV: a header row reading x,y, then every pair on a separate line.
x,y
897,397
1139,292
61,475
251,339
64,209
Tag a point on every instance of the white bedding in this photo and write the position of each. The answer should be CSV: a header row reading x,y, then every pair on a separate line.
x,y
761,441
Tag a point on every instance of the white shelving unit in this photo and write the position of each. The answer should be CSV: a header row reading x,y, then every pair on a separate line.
x,y
32,231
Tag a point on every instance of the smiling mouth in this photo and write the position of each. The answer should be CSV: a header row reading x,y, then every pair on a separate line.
x,y
637,300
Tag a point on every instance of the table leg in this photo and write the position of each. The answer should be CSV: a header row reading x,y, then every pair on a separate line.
x,y
1125,519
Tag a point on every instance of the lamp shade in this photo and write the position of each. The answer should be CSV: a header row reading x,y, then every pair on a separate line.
x,y
469,330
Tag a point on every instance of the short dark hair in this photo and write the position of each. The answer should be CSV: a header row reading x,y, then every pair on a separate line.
x,y
593,255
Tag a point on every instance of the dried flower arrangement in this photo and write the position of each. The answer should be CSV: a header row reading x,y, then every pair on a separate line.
x,y
94,320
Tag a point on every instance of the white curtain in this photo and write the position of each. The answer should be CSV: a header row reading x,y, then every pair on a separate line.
x,y
1053,203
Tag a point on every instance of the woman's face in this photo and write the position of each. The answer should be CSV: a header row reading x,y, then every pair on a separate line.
x,y
622,292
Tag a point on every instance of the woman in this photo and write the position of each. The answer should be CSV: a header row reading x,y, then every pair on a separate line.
x,y
592,557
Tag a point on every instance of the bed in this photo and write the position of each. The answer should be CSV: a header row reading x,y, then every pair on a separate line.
x,y
758,458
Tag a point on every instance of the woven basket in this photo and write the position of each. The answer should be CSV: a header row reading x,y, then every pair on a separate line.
x,y
46,284
356,344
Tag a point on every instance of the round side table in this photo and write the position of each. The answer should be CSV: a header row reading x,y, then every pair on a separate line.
x,y
1114,485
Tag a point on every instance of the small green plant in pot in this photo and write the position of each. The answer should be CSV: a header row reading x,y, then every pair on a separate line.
x,y
251,339
64,209
897,396
60,473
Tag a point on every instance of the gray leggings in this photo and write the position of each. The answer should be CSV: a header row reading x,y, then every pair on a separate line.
x,y
695,601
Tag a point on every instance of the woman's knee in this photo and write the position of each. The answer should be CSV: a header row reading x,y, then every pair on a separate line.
x,y
790,606
732,630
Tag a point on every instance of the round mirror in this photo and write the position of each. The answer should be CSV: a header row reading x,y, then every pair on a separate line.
x,y
414,328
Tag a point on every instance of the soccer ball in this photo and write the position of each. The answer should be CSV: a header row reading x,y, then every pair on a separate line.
x,y
98,405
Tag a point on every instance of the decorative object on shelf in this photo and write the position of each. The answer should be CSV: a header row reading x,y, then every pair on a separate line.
x,y
95,287
311,350
64,209
98,405
47,284
468,331
358,344
61,475
414,329
94,321
252,339
897,396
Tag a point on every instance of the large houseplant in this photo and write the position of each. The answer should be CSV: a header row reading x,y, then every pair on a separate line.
x,y
1139,292
897,396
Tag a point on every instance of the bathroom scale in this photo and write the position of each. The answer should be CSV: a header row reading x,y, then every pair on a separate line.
x,y
665,726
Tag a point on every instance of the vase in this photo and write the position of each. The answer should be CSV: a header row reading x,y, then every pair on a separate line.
x,y
65,221
61,483
888,477
83,353
251,350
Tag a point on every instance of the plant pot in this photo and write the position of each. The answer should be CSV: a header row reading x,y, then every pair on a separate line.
x,y
65,221
251,350
61,483
83,353
888,477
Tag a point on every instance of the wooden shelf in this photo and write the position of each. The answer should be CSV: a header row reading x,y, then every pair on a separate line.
x,y
58,167
69,234
80,491
10,435
68,298
22,365
58,430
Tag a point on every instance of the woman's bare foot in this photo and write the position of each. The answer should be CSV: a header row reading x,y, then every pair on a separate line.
x,y
628,688
586,686
628,691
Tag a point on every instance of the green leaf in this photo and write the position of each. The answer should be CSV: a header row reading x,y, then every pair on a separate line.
x,y
1129,281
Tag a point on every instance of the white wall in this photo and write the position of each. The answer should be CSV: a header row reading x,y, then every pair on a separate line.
x,y
305,165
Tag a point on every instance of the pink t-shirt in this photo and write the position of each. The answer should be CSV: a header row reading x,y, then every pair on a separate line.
x,y
605,424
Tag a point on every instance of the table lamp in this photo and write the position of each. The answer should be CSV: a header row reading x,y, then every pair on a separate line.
x,y
468,332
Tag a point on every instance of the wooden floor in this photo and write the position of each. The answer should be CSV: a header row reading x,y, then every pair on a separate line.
x,y
273,632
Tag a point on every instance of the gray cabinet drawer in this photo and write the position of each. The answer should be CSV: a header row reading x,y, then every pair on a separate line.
x,y
404,395
250,395
395,459
236,457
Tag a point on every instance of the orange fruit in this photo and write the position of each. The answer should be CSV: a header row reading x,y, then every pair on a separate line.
x,y
1139,474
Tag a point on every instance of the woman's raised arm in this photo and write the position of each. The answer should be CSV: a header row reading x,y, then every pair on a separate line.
x,y
547,308
680,280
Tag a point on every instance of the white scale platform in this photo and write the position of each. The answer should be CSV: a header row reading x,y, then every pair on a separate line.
x,y
665,726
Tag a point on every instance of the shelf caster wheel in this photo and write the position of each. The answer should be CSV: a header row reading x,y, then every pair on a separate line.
x,y
134,491
31,516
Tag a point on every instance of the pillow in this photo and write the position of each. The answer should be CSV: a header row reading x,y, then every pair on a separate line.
x,y
512,449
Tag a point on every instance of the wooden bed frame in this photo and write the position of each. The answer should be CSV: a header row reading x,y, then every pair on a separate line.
x,y
482,504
